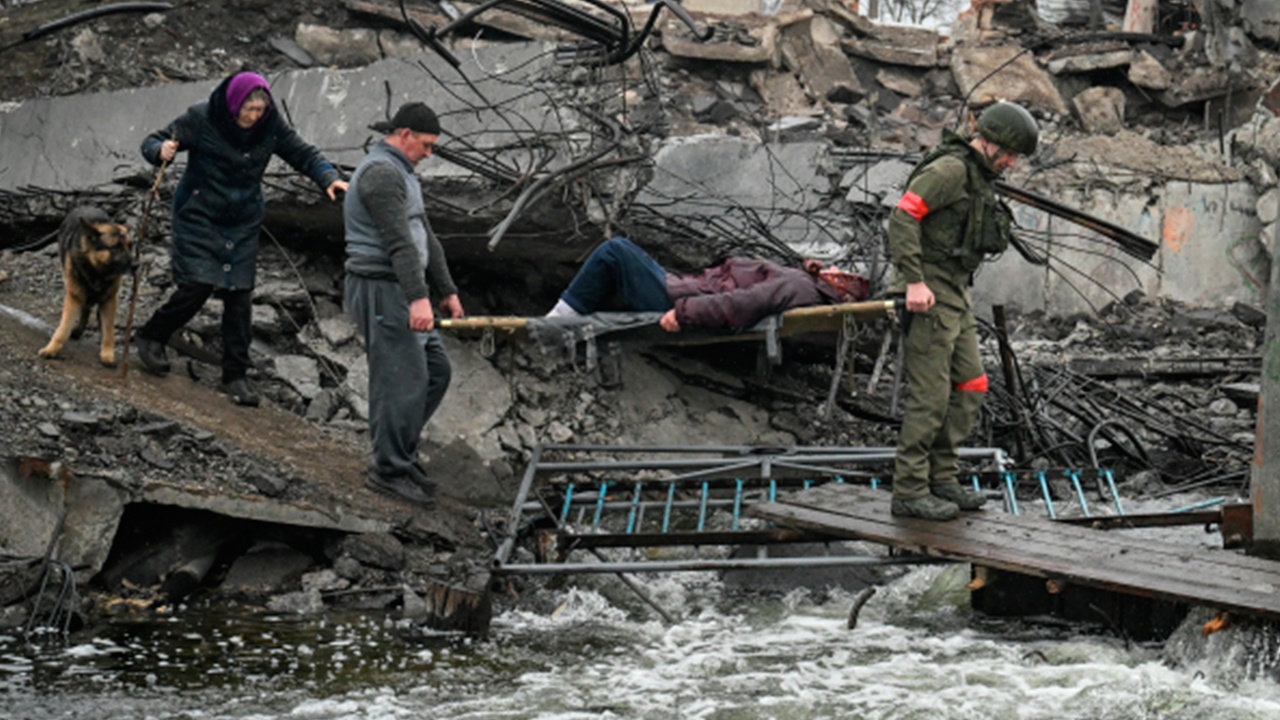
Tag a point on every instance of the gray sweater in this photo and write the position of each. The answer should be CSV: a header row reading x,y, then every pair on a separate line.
x,y
387,232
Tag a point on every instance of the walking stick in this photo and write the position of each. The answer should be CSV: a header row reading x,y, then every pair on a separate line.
x,y
137,267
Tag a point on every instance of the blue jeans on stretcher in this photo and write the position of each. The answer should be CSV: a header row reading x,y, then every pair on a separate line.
x,y
618,275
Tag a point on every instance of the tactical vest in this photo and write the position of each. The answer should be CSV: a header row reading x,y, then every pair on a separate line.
x,y
990,222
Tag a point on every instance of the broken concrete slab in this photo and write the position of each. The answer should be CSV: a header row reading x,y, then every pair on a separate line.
x,y
881,185
379,550
46,509
347,47
1200,83
902,81
250,507
82,142
1021,80
301,372
761,45
809,48
781,92
1268,207
1100,109
1139,155
496,18
895,45
1147,72
267,568
1088,58
1195,267
1262,19
742,176
468,416
722,7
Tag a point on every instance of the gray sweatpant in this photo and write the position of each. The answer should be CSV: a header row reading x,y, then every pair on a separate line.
x,y
409,371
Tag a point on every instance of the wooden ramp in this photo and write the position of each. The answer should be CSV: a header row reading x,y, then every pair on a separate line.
x,y
1065,553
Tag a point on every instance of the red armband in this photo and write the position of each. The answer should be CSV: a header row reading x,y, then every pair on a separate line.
x,y
913,205
978,384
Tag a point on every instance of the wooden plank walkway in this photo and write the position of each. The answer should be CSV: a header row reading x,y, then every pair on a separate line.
x,y
1111,560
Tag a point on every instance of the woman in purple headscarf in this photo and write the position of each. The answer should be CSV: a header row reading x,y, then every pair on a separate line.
x,y
218,210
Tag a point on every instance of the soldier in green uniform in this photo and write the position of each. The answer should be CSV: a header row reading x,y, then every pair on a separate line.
x,y
946,223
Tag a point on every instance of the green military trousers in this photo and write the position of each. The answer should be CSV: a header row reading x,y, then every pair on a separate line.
x,y
946,384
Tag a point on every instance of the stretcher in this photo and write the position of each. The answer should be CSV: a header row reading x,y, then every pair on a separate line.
x,y
643,328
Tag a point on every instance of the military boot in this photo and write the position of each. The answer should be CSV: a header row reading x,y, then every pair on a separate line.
x,y
964,499
927,507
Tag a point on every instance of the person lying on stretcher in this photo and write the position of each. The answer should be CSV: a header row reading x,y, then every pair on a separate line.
x,y
734,294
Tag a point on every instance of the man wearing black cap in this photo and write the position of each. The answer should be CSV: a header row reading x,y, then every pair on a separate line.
x,y
391,254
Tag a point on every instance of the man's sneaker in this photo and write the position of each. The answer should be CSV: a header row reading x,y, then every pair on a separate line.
x,y
927,507
241,392
151,353
400,486
964,499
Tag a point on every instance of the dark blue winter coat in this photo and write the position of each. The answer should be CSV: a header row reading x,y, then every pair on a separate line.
x,y
218,208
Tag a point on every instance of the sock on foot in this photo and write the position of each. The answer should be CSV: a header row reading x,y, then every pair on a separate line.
x,y
563,309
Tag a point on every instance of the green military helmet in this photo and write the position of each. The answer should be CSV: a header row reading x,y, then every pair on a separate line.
x,y
1010,126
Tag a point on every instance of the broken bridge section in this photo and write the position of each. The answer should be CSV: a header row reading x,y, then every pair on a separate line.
x,y
1063,554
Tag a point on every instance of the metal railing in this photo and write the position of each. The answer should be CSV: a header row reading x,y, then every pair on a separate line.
x,y
582,498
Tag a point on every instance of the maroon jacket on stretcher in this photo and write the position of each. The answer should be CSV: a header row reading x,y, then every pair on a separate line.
x,y
739,292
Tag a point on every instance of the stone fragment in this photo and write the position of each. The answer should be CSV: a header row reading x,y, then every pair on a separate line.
x,y
83,420
303,602
892,45
1020,78
1147,72
1196,84
380,550
268,483
559,432
341,48
722,7
678,41
1250,315
1100,109
781,92
1269,205
292,50
901,81
267,568
882,184
1090,62
301,373
810,49
155,457
414,607
323,406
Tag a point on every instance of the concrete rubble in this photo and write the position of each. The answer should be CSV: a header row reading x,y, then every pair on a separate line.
x,y
786,135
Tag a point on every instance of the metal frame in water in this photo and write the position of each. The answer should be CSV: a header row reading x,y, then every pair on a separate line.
x,y
582,498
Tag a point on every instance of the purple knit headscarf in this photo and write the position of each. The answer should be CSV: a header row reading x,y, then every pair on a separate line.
x,y
240,87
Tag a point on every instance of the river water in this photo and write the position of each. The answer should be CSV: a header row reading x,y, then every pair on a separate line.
x,y
595,651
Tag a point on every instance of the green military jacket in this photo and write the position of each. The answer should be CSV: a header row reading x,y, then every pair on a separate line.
x,y
947,222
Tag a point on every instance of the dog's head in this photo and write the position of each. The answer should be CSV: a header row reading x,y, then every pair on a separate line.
x,y
106,246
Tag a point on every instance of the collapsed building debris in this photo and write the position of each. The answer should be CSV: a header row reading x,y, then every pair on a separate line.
x,y
782,135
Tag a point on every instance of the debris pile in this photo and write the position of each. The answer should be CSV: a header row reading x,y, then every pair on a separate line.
x,y
1153,388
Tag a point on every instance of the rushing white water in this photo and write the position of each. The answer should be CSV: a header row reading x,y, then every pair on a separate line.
x,y
916,652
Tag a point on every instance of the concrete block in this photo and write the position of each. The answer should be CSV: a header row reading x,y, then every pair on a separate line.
x,y
1021,80
1269,206
1147,72
1100,109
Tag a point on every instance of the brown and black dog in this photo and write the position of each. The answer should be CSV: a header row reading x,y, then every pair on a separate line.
x,y
95,257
